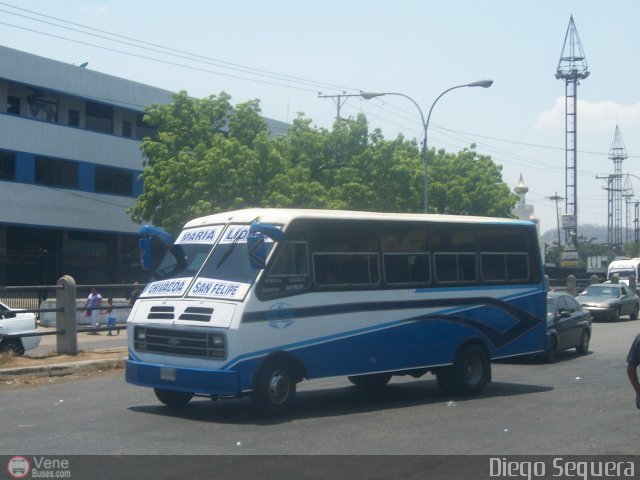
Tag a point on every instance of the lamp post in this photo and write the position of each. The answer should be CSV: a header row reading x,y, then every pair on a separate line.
x,y
425,125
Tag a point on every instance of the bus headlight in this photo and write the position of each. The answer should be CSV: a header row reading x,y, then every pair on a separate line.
x,y
140,338
217,345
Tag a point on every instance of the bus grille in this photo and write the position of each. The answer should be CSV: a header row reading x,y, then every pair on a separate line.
x,y
180,342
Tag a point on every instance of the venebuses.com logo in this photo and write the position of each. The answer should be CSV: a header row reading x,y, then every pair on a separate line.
x,y
18,467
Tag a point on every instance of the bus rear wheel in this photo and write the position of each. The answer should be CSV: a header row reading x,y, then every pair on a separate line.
x,y
468,374
274,389
375,380
173,398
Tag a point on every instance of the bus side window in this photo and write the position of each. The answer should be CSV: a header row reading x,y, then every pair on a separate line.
x,y
291,260
345,268
406,268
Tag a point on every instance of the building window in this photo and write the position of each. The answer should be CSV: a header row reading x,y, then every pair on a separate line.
x,y
142,129
99,117
56,172
7,165
74,117
114,180
126,129
13,105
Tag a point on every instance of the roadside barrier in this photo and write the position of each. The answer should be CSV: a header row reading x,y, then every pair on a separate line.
x,y
66,313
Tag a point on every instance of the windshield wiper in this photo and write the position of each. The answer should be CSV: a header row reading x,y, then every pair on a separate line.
x,y
228,253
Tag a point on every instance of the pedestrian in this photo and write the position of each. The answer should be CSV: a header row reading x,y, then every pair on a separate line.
x,y
93,301
111,316
135,293
633,360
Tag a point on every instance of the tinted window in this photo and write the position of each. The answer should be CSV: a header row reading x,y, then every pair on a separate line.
x,y
114,180
406,268
56,172
7,165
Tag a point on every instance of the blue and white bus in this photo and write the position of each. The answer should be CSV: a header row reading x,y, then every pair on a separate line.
x,y
252,302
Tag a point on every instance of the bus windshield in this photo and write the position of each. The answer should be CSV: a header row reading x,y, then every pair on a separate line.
x,y
182,261
192,253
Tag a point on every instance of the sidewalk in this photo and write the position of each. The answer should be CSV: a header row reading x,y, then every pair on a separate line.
x,y
95,353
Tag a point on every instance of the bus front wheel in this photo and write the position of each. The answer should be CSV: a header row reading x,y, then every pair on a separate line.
x,y
468,374
275,388
173,398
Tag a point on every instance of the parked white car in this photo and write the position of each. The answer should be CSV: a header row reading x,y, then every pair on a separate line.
x,y
14,322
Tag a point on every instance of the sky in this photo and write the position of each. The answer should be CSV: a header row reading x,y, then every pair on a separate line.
x,y
287,52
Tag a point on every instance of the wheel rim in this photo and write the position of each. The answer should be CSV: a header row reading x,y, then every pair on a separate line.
x,y
473,371
279,387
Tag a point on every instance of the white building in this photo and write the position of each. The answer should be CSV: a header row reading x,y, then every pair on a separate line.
x,y
69,166
524,210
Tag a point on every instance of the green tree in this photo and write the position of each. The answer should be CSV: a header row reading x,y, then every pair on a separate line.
x,y
206,157
209,156
468,184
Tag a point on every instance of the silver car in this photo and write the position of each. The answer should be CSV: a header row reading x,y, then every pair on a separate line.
x,y
610,301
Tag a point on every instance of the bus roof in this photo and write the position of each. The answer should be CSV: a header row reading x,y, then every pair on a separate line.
x,y
286,215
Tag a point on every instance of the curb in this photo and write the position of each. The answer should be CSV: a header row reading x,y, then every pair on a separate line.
x,y
62,369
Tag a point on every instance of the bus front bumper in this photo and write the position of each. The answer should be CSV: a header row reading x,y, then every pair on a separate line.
x,y
192,380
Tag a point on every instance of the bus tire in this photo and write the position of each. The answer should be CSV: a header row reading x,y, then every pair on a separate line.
x,y
274,389
173,398
468,374
371,381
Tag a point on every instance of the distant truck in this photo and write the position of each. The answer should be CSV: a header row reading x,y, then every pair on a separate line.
x,y
624,268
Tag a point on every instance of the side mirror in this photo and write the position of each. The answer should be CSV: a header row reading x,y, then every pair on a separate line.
x,y
256,240
145,244
146,252
564,314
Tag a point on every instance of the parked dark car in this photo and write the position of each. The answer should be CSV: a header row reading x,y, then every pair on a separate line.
x,y
610,301
568,325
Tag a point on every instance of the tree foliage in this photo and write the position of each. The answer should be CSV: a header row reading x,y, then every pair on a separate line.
x,y
209,156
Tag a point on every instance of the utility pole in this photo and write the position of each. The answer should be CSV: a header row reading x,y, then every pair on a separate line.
x,y
557,198
636,232
338,99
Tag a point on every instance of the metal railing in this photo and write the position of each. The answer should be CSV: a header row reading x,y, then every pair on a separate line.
x,y
66,295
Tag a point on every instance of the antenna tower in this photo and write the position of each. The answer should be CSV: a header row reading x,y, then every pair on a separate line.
x,y
617,154
572,67
627,193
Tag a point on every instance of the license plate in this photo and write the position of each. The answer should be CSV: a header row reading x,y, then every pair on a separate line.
x,y
168,373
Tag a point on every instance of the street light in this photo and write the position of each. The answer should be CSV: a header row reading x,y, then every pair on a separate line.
x,y
425,125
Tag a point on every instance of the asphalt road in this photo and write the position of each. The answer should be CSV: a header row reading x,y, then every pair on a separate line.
x,y
580,405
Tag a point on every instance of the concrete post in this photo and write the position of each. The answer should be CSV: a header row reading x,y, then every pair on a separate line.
x,y
67,343
572,289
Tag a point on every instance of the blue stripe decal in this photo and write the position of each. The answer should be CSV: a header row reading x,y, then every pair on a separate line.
x,y
313,341
525,320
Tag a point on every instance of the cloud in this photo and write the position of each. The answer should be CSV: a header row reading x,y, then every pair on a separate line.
x,y
592,116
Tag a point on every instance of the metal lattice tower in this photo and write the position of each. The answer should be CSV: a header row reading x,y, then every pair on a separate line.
x,y
628,194
617,154
572,67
